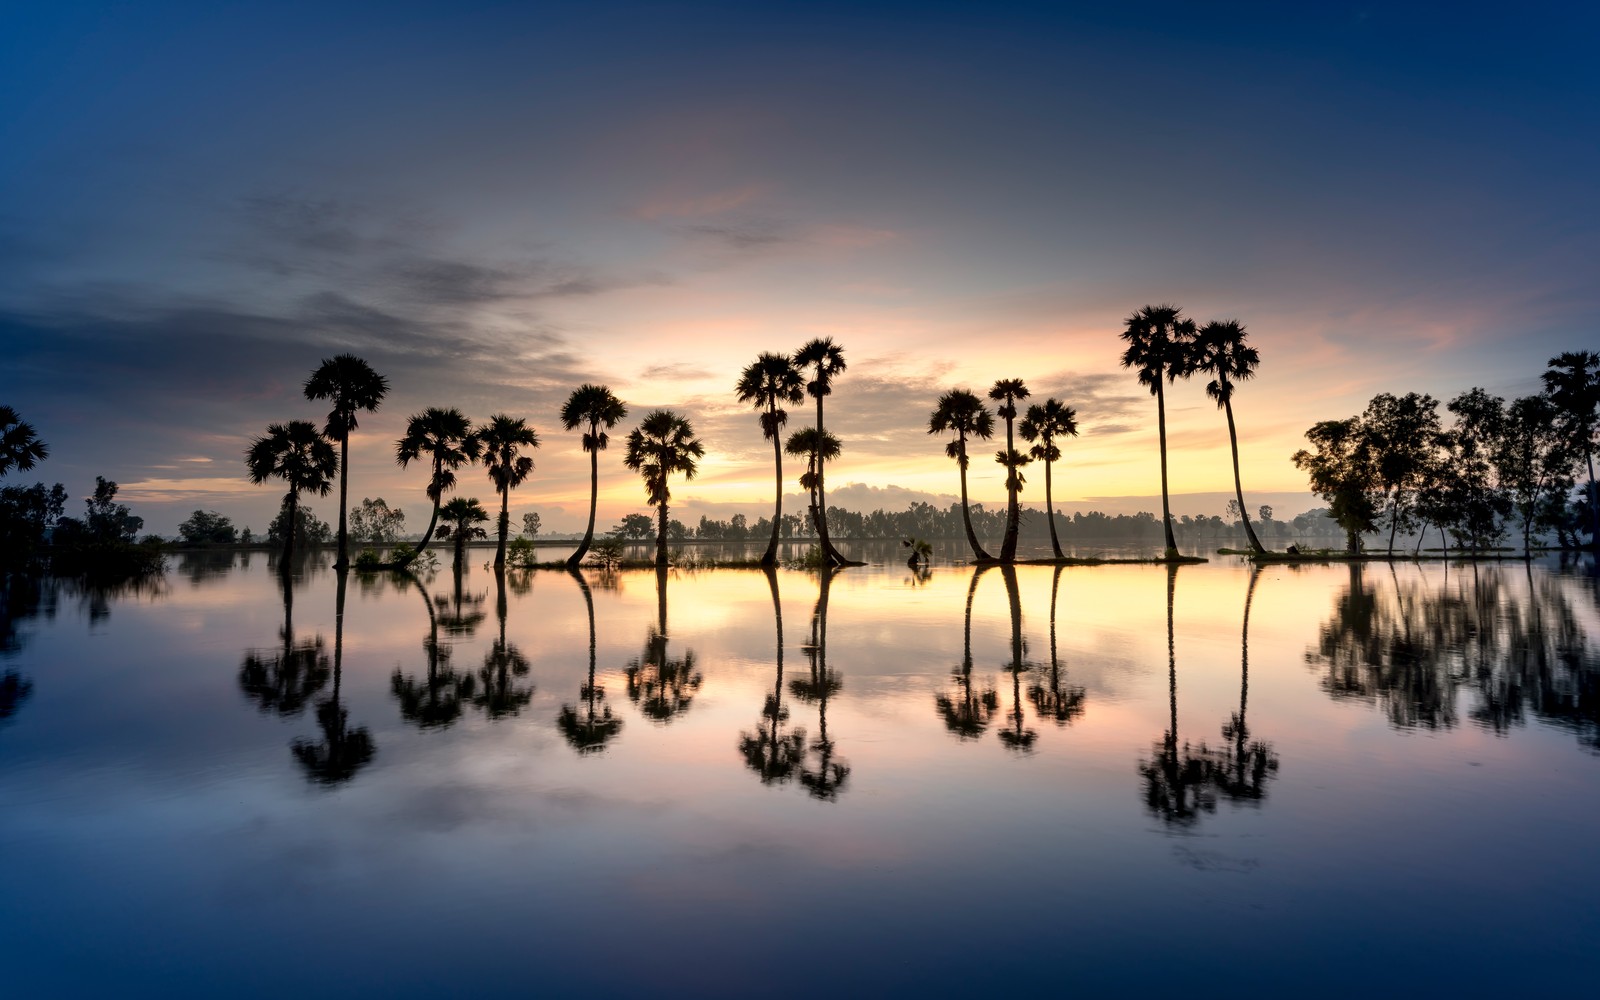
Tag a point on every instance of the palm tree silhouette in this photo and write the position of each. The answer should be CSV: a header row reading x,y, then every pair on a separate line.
x,y
769,752
500,694
1017,738
1176,781
298,454
283,681
826,777
1219,350
827,360
961,412
1246,765
435,701
1042,426
352,385
446,438
1573,383
816,447
20,446
967,715
591,732
343,751
662,444
1063,704
461,517
1006,392
601,410
663,688
767,381
502,439
1158,339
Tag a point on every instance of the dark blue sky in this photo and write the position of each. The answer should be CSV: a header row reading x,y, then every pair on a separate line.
x,y
494,202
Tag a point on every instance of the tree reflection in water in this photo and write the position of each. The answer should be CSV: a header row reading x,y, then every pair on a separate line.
x,y
435,701
592,731
663,688
1061,702
1177,778
820,772
499,694
343,750
965,713
1519,651
1244,765
21,598
771,753
283,681
1016,737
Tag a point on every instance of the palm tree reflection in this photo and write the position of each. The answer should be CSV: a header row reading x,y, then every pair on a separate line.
x,y
821,774
343,750
663,688
966,714
1058,702
771,753
1177,781
284,680
1016,737
432,702
1244,766
597,727
500,694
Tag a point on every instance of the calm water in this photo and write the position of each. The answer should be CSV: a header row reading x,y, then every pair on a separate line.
x,y
1316,780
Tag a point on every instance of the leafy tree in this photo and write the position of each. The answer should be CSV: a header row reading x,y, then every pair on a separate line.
x,y
1534,462
445,438
962,413
663,444
1572,381
309,529
352,386
530,524
598,407
376,522
826,359
503,439
1474,501
634,526
26,514
1403,432
766,383
20,446
1041,427
1006,392
207,528
1343,472
1219,350
1158,341
461,517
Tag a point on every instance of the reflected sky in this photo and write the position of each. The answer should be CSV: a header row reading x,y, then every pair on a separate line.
x,y
819,779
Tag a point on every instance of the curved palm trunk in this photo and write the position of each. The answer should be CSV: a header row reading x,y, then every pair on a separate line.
x,y
1008,548
1166,506
433,520
1050,509
770,559
1241,732
966,515
594,500
344,500
820,511
1238,490
505,525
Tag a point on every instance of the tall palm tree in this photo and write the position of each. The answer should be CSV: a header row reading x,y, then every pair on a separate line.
x,y
1006,392
1042,426
1219,350
1177,780
662,444
1158,345
966,714
501,695
816,447
827,361
352,385
828,775
446,438
1245,765
1573,382
591,733
598,407
770,752
283,681
343,750
962,413
461,517
433,702
20,446
663,687
298,454
1018,737
1063,704
767,381
502,438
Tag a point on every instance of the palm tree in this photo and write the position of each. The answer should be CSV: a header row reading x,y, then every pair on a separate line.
x,y
501,694
767,381
20,447
662,444
817,447
1063,704
1043,425
1006,392
508,468
461,517
283,681
1245,766
969,716
343,750
663,687
1219,350
1177,781
352,385
1018,738
962,413
827,358
591,733
770,752
601,410
1158,338
824,780
447,439
1573,382
298,454
435,701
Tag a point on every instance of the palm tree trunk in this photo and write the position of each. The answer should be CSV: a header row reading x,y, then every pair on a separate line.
x,y
771,557
966,515
433,520
1594,502
594,500
505,524
1050,512
288,535
829,553
1166,507
1238,490
1008,547
344,499
661,536
1172,672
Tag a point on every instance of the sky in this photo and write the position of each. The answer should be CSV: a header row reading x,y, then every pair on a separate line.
x,y
493,203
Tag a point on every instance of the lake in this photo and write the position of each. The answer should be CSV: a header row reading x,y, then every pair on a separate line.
x,y
1313,780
